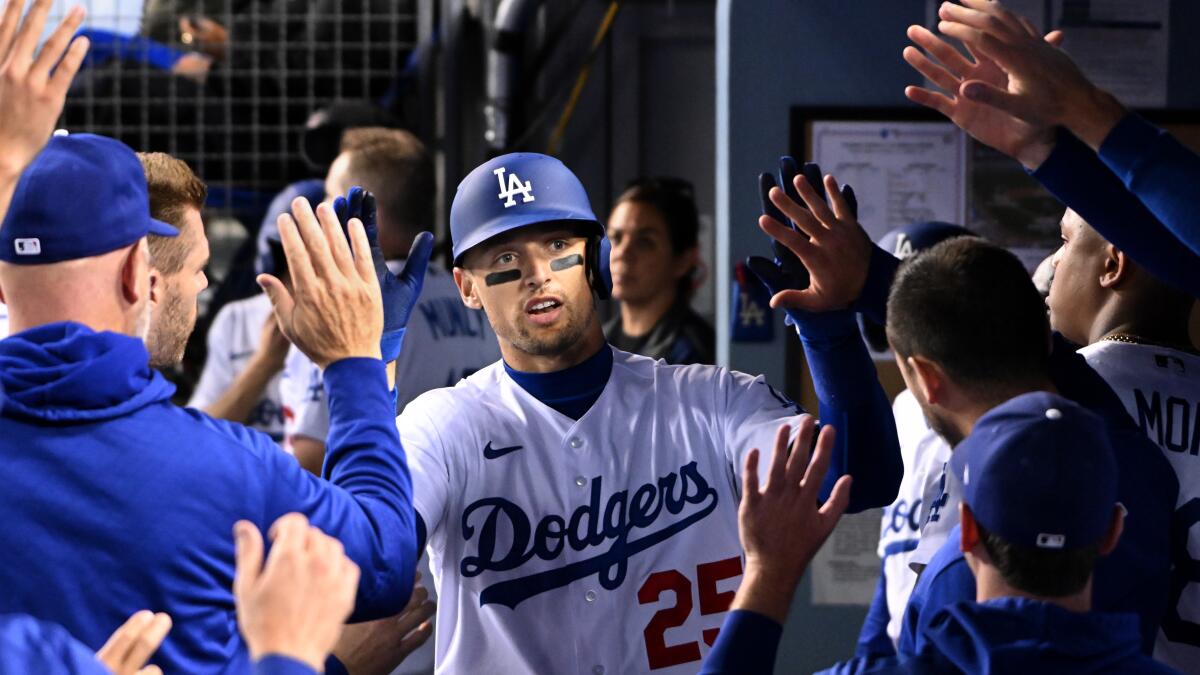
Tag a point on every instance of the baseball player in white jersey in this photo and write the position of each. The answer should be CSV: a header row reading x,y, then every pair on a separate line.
x,y
903,547
1136,329
579,502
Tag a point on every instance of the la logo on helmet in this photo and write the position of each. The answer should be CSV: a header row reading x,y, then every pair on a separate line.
x,y
514,187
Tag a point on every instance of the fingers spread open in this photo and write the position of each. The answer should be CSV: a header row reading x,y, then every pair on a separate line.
x,y
930,99
776,478
115,650
9,21
798,458
806,299
795,242
814,475
147,642
55,46
364,266
335,237
28,36
60,82
803,219
299,263
311,238
948,56
932,71
841,208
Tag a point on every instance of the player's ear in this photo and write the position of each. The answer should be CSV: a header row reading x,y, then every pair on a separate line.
x,y
135,273
929,376
970,531
467,288
156,286
1116,267
1115,529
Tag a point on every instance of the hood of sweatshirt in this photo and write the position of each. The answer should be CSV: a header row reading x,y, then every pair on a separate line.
x,y
66,372
1011,635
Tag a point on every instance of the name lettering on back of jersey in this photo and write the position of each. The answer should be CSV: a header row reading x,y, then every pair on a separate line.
x,y
508,538
515,187
495,453
1170,421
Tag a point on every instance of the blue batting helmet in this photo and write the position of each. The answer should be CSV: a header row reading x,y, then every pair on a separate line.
x,y
313,190
521,189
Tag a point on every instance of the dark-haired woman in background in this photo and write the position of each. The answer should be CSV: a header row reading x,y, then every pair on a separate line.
x,y
654,231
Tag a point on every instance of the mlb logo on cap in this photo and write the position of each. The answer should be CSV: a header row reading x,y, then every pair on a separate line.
x,y
28,246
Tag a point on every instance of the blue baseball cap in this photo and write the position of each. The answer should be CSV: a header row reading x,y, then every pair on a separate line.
x,y
512,191
1039,471
908,239
82,196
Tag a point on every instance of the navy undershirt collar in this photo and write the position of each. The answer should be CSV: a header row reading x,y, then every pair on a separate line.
x,y
571,391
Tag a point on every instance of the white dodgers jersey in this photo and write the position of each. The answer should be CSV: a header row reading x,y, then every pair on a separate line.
x,y
444,342
607,544
232,340
925,454
1160,388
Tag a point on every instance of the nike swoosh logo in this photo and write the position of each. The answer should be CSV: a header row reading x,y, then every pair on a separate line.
x,y
495,453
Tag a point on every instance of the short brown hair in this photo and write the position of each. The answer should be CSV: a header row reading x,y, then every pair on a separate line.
x,y
395,166
174,189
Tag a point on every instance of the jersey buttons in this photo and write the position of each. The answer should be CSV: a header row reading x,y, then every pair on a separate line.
x,y
575,442
590,596
580,481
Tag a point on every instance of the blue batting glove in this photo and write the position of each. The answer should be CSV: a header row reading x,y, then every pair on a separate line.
x,y
786,271
400,292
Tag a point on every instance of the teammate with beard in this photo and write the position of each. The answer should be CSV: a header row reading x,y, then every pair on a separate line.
x,y
577,491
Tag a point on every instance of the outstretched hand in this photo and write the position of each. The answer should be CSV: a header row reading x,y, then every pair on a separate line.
x,y
825,240
400,292
334,310
781,524
33,87
1044,87
1027,143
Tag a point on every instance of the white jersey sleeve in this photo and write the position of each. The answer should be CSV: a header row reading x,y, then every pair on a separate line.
x,y
219,371
754,410
420,435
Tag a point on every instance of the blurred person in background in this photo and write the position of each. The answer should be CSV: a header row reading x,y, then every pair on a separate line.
x,y
654,230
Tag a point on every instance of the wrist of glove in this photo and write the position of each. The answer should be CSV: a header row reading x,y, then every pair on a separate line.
x,y
390,344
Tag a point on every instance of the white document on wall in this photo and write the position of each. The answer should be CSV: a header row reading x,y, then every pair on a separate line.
x,y
901,172
1121,45
846,569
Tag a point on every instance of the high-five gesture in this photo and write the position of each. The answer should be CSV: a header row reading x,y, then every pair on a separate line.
x,y
825,238
32,89
400,292
781,524
335,309
1044,86
1027,143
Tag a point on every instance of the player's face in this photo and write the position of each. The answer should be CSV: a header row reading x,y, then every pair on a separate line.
x,y
1075,293
533,286
643,261
174,314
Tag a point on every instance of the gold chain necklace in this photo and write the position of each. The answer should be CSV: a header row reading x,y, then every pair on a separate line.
x,y
1125,337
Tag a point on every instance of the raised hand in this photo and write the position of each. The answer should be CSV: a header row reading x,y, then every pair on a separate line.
x,y
826,239
1044,86
781,524
1025,142
400,292
335,309
127,651
32,89
296,604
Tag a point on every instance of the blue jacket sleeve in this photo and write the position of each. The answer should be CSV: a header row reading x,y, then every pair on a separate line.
x,y
275,664
1078,178
746,645
1160,171
106,45
31,646
872,301
873,640
854,403
366,499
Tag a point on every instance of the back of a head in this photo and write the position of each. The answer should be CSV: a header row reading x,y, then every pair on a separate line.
x,y
394,165
174,189
1039,476
970,307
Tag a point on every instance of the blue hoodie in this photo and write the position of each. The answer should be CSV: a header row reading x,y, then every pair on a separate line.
x,y
117,500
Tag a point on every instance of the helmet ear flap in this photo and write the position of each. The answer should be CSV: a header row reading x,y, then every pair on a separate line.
x,y
598,274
